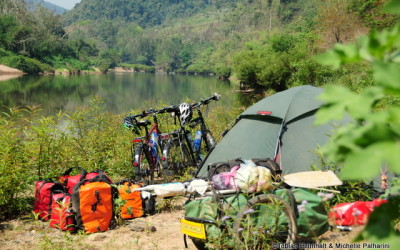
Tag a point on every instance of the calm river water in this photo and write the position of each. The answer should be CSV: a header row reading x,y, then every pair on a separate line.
x,y
121,91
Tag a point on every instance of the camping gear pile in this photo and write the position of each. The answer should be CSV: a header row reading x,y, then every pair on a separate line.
x,y
271,150
236,183
280,127
86,201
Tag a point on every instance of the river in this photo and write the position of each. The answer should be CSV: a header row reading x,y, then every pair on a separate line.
x,y
121,92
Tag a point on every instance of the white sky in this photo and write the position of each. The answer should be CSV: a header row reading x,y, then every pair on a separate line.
x,y
67,4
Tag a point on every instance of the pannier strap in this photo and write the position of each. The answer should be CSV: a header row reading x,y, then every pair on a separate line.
x,y
101,177
94,206
69,170
226,166
268,163
198,220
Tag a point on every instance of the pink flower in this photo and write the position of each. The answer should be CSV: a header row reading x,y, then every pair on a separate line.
x,y
249,211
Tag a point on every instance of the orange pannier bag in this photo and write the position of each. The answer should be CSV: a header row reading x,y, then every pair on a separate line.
x,y
133,207
92,200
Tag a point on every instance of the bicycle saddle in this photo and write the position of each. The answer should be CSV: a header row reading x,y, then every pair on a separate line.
x,y
143,123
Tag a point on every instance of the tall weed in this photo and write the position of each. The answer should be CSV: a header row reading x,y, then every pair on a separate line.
x,y
33,147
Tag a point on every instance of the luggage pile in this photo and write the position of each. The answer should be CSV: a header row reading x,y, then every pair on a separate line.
x,y
87,201
250,202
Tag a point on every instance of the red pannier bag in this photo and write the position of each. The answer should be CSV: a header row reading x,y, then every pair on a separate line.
x,y
43,193
70,181
62,216
355,213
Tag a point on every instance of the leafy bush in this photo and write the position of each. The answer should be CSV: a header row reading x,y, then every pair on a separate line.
x,y
138,67
369,145
281,63
25,64
199,68
15,168
247,65
69,63
223,71
4,53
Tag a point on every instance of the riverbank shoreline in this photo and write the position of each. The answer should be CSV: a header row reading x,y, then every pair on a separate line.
x,y
5,70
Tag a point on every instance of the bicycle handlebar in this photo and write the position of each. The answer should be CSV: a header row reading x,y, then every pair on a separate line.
x,y
206,101
174,108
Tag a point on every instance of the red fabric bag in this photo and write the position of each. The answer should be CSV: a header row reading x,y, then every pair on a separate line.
x,y
62,216
70,181
43,193
355,213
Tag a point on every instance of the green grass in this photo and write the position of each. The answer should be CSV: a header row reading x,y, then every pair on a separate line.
x,y
34,147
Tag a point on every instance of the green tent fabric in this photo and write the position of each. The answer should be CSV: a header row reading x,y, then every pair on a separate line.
x,y
279,127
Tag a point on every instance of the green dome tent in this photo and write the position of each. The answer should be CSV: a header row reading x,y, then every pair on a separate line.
x,y
279,127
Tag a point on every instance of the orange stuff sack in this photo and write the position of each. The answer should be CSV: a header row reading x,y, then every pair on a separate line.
x,y
133,208
93,203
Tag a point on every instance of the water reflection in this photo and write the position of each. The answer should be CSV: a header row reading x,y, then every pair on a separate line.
x,y
120,91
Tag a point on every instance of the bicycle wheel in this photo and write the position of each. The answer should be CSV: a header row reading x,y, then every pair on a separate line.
x,y
266,220
143,163
177,159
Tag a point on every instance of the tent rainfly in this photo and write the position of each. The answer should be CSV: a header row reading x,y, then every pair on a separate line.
x,y
279,127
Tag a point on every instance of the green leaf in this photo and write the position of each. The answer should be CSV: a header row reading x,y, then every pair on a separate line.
x,y
364,48
366,163
367,99
392,7
394,119
340,54
348,52
387,74
336,99
340,100
329,58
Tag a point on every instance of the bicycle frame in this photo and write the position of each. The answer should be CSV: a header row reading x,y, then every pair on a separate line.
x,y
145,143
199,120
185,136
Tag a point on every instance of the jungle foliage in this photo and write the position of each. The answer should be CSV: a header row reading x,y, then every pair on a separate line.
x,y
35,41
262,43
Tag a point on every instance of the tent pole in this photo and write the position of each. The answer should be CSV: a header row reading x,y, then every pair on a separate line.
x,y
278,149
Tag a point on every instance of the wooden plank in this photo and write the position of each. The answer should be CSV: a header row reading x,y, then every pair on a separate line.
x,y
312,179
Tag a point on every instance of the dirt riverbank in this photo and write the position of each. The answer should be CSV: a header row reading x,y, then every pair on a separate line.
x,y
159,231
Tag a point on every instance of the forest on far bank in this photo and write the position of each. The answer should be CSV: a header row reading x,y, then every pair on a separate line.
x,y
266,44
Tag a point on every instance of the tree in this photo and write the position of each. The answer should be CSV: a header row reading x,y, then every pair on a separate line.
x,y
8,28
335,23
371,13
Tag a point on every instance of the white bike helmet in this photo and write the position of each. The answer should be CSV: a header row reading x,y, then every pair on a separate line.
x,y
185,112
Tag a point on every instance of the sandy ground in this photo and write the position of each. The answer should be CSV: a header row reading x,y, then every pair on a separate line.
x,y
5,70
159,231
7,73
